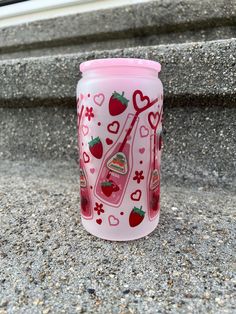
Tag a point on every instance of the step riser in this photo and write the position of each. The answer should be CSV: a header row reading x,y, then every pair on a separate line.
x,y
140,38
196,69
200,142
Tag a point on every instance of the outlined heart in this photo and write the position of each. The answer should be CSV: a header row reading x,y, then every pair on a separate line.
x,y
136,195
113,221
113,127
99,221
154,119
86,157
109,141
142,150
143,131
92,170
140,101
99,99
85,129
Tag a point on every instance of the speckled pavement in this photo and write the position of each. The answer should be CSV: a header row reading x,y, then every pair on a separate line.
x,y
139,24
190,72
200,141
50,264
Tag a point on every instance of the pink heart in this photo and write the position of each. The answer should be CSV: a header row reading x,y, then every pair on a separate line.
x,y
92,170
143,131
113,127
86,157
113,221
142,150
136,195
85,129
99,99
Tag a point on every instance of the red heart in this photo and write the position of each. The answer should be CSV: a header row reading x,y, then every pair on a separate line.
x,y
113,127
140,102
142,150
109,141
154,119
99,221
136,195
86,157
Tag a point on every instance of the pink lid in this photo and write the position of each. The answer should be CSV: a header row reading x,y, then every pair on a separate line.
x,y
117,62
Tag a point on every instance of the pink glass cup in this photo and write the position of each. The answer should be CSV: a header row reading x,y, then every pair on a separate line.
x,y
120,106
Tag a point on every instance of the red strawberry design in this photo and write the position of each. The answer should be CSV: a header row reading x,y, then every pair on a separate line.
x,y
108,187
96,148
136,217
117,104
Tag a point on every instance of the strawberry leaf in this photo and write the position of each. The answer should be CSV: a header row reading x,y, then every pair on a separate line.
x,y
139,211
121,98
106,183
94,141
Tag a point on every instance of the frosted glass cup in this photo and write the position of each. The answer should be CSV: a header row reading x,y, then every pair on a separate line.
x,y
120,106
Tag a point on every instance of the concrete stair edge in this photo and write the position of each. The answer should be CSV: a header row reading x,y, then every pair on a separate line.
x,y
197,70
154,17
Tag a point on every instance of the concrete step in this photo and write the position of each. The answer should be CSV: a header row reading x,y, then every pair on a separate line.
x,y
46,264
49,263
149,23
199,150
38,115
191,73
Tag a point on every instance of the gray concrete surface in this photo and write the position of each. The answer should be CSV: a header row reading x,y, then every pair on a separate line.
x,y
138,20
200,141
49,264
155,38
190,72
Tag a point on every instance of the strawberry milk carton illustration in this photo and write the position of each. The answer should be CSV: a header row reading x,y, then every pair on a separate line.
x,y
120,107
117,166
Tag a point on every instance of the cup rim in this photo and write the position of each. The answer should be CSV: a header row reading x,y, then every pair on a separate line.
x,y
118,62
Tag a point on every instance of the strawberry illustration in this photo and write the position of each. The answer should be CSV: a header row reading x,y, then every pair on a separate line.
x,y
96,148
117,104
136,217
108,187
